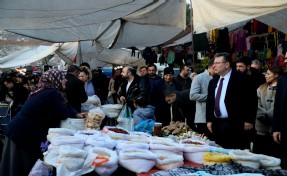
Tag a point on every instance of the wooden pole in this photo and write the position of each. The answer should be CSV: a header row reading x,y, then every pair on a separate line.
x,y
191,30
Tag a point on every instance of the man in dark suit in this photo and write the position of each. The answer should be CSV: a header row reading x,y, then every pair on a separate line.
x,y
279,127
228,110
75,89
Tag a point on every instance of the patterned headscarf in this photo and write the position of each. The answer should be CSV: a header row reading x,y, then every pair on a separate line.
x,y
51,79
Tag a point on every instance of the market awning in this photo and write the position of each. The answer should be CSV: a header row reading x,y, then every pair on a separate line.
x,y
212,14
122,23
68,51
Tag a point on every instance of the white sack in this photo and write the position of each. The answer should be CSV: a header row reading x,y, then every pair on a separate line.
x,y
62,131
137,160
56,147
269,162
61,140
167,146
168,161
155,139
117,136
129,144
66,151
73,124
103,141
55,132
72,164
246,158
109,167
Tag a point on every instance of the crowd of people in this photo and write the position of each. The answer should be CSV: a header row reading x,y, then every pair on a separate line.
x,y
233,103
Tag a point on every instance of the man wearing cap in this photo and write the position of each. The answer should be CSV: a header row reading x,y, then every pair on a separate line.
x,y
170,82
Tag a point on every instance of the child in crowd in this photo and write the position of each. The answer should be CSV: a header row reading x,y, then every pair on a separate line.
x,y
143,111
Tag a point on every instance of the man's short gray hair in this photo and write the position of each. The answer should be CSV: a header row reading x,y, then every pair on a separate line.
x,y
256,62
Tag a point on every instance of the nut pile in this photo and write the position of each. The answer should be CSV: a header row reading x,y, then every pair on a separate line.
x,y
175,128
193,135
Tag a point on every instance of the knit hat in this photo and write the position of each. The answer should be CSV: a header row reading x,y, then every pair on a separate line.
x,y
168,70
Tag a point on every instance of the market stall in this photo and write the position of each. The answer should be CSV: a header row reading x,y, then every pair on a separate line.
x,y
114,150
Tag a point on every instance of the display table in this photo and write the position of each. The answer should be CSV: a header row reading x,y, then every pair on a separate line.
x,y
153,170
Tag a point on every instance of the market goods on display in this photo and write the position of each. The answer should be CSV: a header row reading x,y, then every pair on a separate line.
x,y
193,135
94,119
118,130
175,128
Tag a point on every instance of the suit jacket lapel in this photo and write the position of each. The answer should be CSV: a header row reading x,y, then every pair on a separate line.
x,y
214,86
228,95
132,85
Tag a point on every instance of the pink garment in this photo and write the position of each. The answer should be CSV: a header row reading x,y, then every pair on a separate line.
x,y
232,39
241,40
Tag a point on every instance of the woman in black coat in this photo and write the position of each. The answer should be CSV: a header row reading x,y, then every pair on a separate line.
x,y
19,94
44,109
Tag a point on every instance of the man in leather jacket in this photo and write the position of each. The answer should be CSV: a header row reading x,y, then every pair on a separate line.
x,y
132,87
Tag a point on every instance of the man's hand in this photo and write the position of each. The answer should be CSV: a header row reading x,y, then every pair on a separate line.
x,y
247,126
82,115
209,126
277,137
123,99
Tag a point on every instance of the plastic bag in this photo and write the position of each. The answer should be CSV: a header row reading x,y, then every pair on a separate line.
x,y
125,119
145,126
94,119
92,102
41,169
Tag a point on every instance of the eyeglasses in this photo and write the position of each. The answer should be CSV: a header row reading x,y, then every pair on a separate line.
x,y
217,63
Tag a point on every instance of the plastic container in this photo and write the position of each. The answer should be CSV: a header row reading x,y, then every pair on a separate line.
x,y
157,129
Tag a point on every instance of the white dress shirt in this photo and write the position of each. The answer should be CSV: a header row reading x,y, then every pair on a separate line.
x,y
222,106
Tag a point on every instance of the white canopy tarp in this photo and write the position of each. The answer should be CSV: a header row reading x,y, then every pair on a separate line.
x,y
100,58
185,39
68,52
31,55
124,23
212,14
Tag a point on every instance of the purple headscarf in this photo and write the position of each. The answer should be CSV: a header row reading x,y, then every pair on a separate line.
x,y
51,79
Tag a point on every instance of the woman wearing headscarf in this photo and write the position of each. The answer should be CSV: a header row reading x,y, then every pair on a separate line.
x,y
44,109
